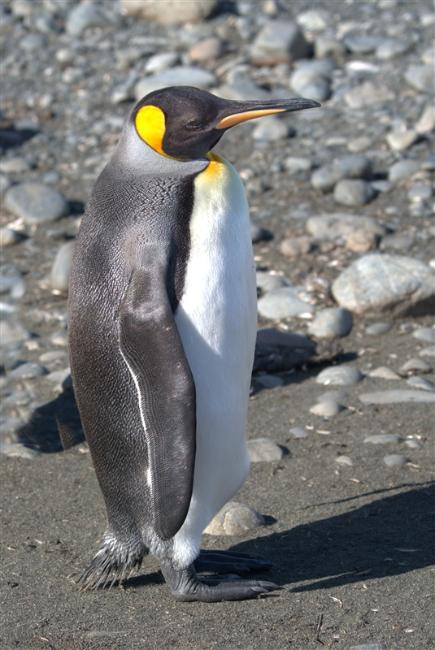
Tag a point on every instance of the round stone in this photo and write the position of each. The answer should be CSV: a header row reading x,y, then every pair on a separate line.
x,y
344,460
299,432
35,203
382,439
353,193
339,376
398,396
264,450
403,169
376,329
28,370
296,246
270,129
234,519
425,334
331,323
413,366
283,303
61,269
384,373
268,281
394,460
8,237
326,408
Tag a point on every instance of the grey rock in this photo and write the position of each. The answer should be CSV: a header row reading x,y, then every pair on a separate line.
x,y
426,123
234,519
209,49
29,370
413,444
279,41
161,61
331,323
368,93
383,372
268,282
294,165
12,282
420,192
269,381
421,77
390,48
353,193
314,20
16,165
59,338
327,46
271,337
398,241
361,241
8,237
12,333
368,646
35,203
339,396
170,12
16,450
299,432
60,272
283,303
312,79
264,450
415,366
428,352
296,246
84,15
377,282
5,183
351,166
325,178
377,329
362,43
270,129
425,334
339,376
398,396
333,226
382,439
401,139
394,460
182,75
326,408
344,460
32,42
420,383
403,169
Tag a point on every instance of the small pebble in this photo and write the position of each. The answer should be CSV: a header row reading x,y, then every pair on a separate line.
x,y
264,450
428,352
382,439
283,303
421,383
376,329
353,193
296,246
234,519
425,334
61,268
331,323
394,460
35,203
16,450
339,376
269,381
344,460
398,396
299,432
415,366
326,408
29,370
384,373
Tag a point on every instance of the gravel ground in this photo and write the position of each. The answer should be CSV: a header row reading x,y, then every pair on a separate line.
x,y
343,388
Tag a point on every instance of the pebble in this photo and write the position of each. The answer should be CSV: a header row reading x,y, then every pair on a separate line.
x,y
421,383
376,282
16,165
207,50
390,48
264,450
35,203
270,129
182,75
269,381
362,43
16,450
420,192
314,20
398,396
398,241
279,41
413,444
394,460
368,646
29,370
12,333
344,460
425,334
8,237
415,366
421,78
170,12
161,61
294,165
368,94
382,372
339,376
402,139
60,272
283,303
84,15
268,281
351,166
403,169
5,183
428,352
337,225
328,46
296,246
382,439
331,323
299,432
326,408
353,193
361,241
234,519
377,329
426,123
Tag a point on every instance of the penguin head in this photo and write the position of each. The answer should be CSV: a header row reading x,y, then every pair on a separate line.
x,y
185,123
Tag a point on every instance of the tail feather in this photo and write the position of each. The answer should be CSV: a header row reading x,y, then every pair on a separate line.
x,y
111,564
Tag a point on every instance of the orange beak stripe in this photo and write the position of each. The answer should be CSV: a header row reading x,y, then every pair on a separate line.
x,y
237,118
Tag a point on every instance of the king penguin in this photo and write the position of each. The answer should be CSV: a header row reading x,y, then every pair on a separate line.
x,y
162,328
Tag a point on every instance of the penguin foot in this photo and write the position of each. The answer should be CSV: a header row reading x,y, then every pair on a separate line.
x,y
186,585
229,562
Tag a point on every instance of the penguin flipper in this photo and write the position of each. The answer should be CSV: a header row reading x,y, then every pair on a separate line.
x,y
153,351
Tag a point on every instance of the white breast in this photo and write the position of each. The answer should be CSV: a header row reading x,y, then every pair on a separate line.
x,y
216,319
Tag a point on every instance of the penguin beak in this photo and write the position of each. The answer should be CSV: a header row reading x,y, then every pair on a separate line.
x,y
239,112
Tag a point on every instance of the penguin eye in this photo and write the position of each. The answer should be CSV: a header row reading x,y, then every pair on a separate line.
x,y
193,125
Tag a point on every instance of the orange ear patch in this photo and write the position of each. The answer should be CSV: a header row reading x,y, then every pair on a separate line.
x,y
150,124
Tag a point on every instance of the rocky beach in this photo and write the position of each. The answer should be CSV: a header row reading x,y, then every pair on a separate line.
x,y
341,423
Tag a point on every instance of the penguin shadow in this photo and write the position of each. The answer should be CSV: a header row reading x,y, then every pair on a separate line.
x,y
10,137
54,426
384,538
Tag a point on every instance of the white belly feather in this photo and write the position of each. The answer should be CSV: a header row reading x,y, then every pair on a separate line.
x,y
216,319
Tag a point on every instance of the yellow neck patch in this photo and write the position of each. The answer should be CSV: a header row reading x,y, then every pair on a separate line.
x,y
215,167
150,124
